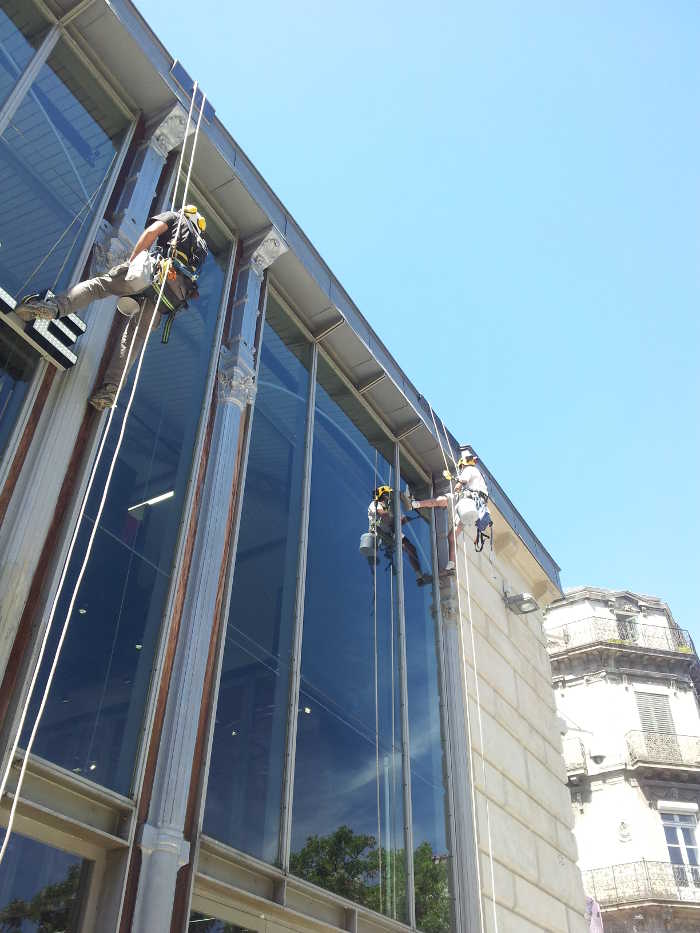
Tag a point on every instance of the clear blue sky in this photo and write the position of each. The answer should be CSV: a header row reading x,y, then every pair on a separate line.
x,y
511,194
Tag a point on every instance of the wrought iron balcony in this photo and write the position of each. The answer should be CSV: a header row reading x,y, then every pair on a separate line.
x,y
643,881
662,748
626,633
575,756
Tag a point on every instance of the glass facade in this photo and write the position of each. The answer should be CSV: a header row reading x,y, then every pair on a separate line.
x,y
41,888
92,721
55,159
245,779
428,784
347,827
199,923
22,27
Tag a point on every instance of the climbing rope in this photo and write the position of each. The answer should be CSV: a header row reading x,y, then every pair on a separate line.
x,y
93,473
455,525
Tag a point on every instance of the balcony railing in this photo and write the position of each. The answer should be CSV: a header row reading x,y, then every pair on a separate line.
x,y
626,633
662,748
643,881
574,756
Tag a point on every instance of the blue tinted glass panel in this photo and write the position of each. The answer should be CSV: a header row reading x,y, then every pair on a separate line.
x,y
17,364
92,721
245,776
347,832
22,28
55,158
428,786
41,888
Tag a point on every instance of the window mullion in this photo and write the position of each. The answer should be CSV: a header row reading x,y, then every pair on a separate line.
x,y
285,841
403,689
26,79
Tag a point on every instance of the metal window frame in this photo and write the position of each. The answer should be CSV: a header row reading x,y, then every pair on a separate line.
x,y
285,839
403,692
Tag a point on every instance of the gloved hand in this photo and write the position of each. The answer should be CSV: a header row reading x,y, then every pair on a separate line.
x,y
447,474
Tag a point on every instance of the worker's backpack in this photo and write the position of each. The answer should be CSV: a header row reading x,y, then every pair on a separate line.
x,y
191,248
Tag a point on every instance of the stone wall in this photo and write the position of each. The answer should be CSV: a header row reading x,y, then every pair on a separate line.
x,y
522,800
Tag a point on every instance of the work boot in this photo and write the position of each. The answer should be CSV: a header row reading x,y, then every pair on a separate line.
x,y
42,307
424,579
104,397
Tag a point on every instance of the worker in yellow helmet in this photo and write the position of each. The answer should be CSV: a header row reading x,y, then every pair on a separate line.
x,y
466,504
171,247
381,533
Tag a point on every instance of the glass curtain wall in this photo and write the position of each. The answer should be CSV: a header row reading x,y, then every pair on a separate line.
x,y
245,777
22,27
93,719
347,826
428,782
56,155
41,888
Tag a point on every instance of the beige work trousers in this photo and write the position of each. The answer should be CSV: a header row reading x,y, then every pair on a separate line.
x,y
113,283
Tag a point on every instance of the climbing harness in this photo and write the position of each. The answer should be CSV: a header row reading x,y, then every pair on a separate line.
x,y
466,699
186,254
98,515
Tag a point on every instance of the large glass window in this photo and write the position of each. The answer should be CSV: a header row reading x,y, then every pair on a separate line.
x,y
22,28
201,923
245,776
41,889
347,832
428,786
55,158
92,721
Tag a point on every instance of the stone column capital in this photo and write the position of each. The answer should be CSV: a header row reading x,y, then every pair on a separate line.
x,y
166,131
235,384
264,248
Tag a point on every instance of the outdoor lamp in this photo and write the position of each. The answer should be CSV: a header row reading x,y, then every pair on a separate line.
x,y
521,603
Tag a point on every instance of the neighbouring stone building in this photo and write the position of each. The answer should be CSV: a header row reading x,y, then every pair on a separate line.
x,y
626,680
250,728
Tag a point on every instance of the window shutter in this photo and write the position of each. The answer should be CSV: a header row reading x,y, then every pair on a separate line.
x,y
655,712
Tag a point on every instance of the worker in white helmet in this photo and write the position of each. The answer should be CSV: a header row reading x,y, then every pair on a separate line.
x,y
466,504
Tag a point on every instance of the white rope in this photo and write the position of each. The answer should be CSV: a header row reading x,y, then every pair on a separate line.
x,y
455,525
81,513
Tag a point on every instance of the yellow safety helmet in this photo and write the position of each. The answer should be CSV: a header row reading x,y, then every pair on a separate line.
x,y
382,491
466,460
193,211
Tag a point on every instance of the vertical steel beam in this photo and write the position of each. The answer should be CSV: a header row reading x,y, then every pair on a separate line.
x,y
403,691
26,79
285,841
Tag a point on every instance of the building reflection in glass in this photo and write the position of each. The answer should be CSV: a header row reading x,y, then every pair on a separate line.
x,y
347,828
245,777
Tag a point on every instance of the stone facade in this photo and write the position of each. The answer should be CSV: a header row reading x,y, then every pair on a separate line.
x,y
625,679
524,809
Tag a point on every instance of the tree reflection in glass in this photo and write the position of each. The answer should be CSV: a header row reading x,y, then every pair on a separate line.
x,y
347,827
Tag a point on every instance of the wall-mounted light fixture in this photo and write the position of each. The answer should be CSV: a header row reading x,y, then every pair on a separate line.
x,y
521,603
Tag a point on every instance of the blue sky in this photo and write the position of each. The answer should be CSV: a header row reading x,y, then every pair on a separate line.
x,y
511,194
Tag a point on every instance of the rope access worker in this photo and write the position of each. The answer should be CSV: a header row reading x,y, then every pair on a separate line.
x,y
470,498
381,532
137,284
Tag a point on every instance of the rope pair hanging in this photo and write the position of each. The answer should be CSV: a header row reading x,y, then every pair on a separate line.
x,y
455,522
98,516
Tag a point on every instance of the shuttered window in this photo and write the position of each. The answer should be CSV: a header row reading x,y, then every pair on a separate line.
x,y
655,712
